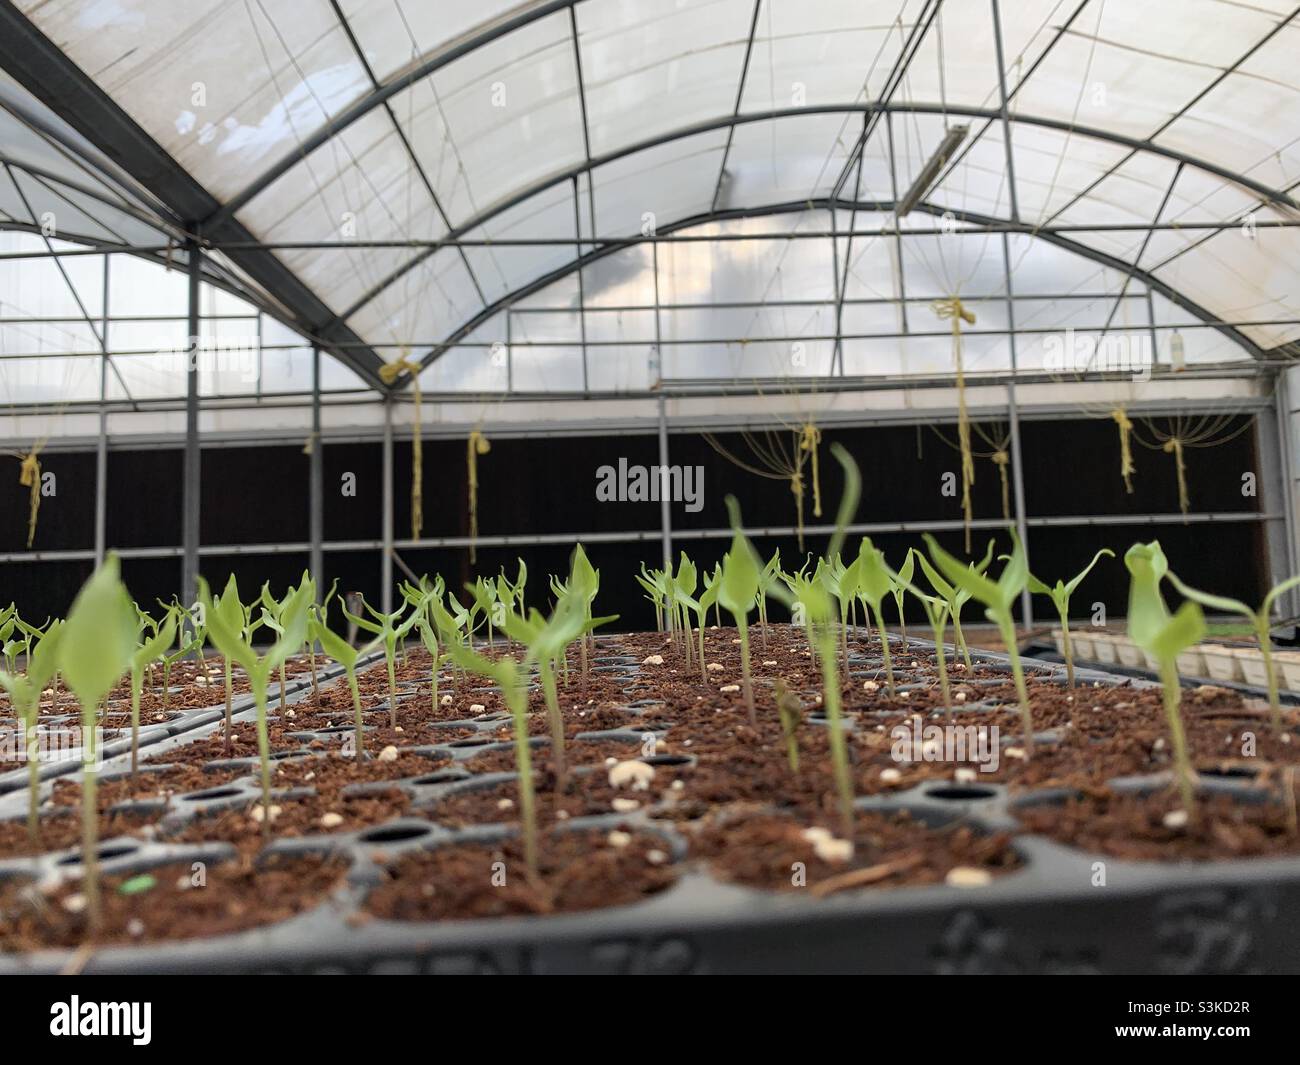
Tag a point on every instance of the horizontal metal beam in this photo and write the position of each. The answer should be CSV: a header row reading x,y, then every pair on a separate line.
x,y
647,536
581,262
1065,228
624,424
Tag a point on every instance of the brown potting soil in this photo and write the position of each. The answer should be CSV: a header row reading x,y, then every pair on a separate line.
x,y
576,871
722,780
176,902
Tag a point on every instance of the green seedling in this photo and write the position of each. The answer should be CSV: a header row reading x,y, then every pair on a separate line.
x,y
388,631
684,585
1060,594
842,582
736,592
584,582
319,613
956,596
148,651
184,649
231,642
804,591
25,695
791,714
902,584
813,599
545,641
1260,622
999,598
1164,636
484,595
768,576
875,581
347,656
505,672
234,618
652,581
94,651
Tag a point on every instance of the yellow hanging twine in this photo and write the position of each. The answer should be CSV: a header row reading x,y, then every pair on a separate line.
x,y
1126,467
796,486
809,439
477,445
388,373
953,310
29,476
1001,459
1174,446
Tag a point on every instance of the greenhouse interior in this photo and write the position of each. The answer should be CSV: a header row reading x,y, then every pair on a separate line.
x,y
649,486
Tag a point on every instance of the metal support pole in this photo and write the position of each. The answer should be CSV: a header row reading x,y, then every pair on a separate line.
x,y
1013,421
190,477
1013,411
386,561
316,497
1272,489
665,503
1286,446
101,449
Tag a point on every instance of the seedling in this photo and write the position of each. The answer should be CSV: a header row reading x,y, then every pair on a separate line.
x,y
1060,597
708,597
1164,636
231,642
653,583
505,673
347,656
235,619
147,652
736,592
768,576
876,580
388,630
998,598
94,651
956,596
484,594
814,600
684,589
803,592
584,582
25,695
842,582
902,584
184,648
545,641
791,713
1260,622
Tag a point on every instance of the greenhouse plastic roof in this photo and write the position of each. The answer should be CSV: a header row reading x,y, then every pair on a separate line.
x,y
395,173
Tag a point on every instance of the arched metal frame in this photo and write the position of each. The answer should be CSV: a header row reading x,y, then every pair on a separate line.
x,y
38,64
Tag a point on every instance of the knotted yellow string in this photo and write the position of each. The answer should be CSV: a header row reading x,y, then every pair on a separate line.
x,y
29,476
1174,446
953,309
796,486
477,445
1000,459
809,439
1126,467
389,373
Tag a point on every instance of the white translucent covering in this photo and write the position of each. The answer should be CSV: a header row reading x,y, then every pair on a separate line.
x,y
613,120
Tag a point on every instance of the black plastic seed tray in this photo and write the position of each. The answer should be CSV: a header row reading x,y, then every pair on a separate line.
x,y
1062,911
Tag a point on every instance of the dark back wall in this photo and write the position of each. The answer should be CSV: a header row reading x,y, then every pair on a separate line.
x,y
259,496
